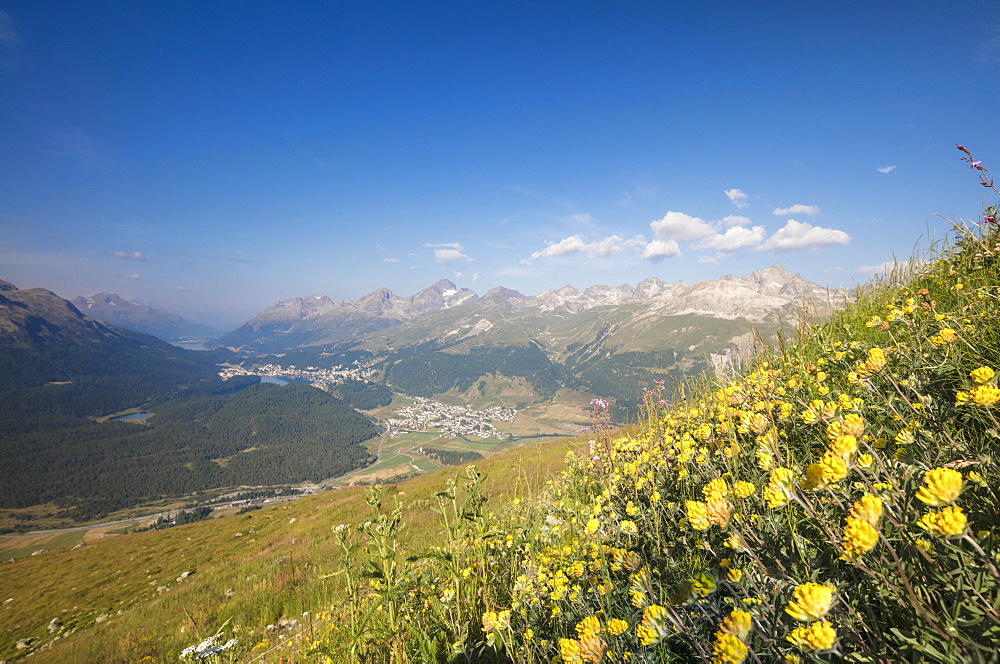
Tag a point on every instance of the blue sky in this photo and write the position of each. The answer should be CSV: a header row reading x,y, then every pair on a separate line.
x,y
215,157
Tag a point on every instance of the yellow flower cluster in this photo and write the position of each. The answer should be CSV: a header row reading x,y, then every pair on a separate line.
x,y
942,486
950,522
806,465
817,637
810,601
653,627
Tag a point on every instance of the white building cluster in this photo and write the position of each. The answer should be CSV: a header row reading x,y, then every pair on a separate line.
x,y
321,378
427,414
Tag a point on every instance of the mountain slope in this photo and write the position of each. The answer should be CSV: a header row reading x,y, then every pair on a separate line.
x,y
142,318
612,341
317,319
62,373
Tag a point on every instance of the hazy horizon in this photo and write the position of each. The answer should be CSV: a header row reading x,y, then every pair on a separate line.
x,y
215,159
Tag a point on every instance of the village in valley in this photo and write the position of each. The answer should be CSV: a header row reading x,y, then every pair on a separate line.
x,y
453,421
321,378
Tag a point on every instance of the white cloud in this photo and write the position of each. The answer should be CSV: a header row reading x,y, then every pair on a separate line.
x,y
737,198
657,250
725,236
450,256
448,252
734,238
452,245
565,247
458,275
133,276
133,256
680,227
714,260
798,208
880,269
736,220
390,260
183,289
475,277
803,236
886,169
575,244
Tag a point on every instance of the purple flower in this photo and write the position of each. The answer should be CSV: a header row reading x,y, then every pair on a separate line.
x,y
600,404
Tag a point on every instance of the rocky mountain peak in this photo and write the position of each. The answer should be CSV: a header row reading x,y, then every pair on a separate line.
x,y
443,294
505,298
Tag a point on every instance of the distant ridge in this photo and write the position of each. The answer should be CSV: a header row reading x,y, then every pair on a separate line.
x,y
143,318
318,320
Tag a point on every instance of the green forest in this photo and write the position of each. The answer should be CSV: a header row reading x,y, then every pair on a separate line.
x,y
263,435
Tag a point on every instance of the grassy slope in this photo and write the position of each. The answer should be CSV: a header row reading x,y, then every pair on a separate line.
x,y
106,594
839,499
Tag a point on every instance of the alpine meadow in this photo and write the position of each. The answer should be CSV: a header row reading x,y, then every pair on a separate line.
x,y
430,332
833,499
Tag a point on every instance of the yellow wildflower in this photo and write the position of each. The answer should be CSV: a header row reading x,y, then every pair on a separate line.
x,y
697,514
716,487
589,625
868,508
628,528
569,650
941,487
852,424
829,469
875,361
810,601
702,516
984,395
653,627
593,526
592,647
844,446
945,336
617,626
778,491
982,375
737,623
865,460
728,649
743,489
859,537
950,522
818,636
490,621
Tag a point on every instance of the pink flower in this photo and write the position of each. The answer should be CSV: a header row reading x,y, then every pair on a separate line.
x,y
975,164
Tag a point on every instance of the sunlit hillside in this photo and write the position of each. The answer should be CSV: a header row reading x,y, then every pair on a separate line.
x,y
836,501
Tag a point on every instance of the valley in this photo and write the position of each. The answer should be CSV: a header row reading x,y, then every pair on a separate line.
x,y
383,388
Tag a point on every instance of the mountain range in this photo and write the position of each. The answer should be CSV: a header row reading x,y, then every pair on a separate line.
x,y
613,341
317,320
64,376
167,325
